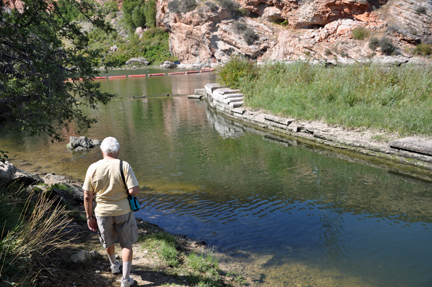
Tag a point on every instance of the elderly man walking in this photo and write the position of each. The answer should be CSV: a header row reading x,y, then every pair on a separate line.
x,y
114,218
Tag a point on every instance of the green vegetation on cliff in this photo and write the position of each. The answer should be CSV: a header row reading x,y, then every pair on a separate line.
x,y
395,99
152,45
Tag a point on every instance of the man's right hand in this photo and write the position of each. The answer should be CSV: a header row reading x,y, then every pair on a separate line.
x,y
92,224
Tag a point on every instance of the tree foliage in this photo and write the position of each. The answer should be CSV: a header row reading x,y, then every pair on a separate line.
x,y
150,13
133,13
40,49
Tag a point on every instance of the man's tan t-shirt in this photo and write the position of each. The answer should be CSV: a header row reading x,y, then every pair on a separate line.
x,y
104,179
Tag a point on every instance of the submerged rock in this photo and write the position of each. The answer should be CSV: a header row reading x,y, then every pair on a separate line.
x,y
82,143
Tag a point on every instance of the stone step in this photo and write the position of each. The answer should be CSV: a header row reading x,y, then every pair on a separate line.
x,y
226,91
236,104
198,97
413,144
232,96
210,88
233,100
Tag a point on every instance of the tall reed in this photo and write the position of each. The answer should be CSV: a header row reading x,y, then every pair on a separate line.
x,y
25,248
395,99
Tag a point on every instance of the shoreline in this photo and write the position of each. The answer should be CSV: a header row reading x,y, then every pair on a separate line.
x,y
367,146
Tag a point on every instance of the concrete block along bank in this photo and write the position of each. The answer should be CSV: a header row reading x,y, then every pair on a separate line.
x,y
411,156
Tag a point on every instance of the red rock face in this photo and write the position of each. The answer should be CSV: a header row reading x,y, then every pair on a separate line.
x,y
205,36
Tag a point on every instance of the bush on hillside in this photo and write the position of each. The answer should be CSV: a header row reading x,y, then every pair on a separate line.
x,y
360,33
184,6
174,6
189,5
150,13
373,43
153,46
250,36
239,27
386,46
229,5
110,6
420,10
212,6
235,70
133,13
423,49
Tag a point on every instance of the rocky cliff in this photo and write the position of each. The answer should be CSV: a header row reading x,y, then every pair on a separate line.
x,y
209,32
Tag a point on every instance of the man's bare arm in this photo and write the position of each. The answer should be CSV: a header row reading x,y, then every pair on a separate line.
x,y
134,191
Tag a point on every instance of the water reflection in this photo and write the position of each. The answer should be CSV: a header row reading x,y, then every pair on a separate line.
x,y
301,214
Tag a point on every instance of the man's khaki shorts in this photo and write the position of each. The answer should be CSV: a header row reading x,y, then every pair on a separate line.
x,y
124,226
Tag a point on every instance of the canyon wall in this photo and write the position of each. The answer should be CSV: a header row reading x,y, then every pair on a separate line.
x,y
293,29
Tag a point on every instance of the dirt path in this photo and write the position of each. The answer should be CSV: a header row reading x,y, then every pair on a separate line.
x,y
147,268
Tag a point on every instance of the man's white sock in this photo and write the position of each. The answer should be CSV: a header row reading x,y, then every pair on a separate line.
x,y
112,259
127,265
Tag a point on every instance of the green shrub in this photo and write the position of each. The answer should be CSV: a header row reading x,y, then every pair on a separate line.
x,y
250,36
284,22
373,43
239,27
344,54
327,52
386,46
423,49
360,33
212,6
150,13
153,46
229,5
174,6
183,6
420,10
110,6
235,70
242,12
133,13
189,5
69,12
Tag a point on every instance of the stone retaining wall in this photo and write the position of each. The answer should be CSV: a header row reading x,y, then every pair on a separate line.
x,y
361,141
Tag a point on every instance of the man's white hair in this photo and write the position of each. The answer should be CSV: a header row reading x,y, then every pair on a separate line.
x,y
110,145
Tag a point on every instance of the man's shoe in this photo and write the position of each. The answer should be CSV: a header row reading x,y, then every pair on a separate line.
x,y
115,268
127,282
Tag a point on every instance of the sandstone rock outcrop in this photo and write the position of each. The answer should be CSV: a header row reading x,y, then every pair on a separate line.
x,y
318,29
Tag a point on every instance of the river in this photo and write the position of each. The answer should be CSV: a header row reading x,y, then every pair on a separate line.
x,y
297,215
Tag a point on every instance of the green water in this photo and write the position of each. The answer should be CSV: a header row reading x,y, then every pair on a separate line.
x,y
290,214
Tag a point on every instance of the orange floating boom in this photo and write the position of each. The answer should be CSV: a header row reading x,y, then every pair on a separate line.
x,y
176,73
117,77
136,76
192,72
155,75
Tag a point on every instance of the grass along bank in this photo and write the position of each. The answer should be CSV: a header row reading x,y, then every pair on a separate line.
x,y
393,99
40,234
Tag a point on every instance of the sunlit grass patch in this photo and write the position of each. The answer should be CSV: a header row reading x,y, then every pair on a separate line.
x,y
199,270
